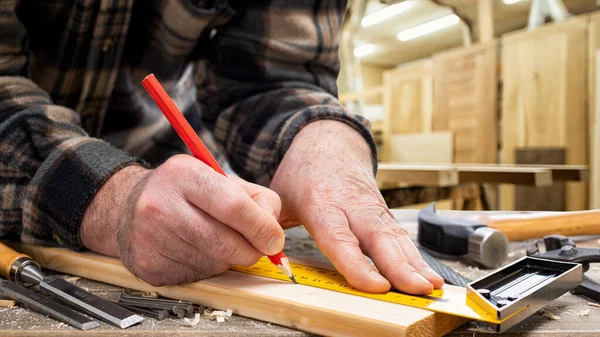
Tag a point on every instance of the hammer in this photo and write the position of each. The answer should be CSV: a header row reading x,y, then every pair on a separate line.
x,y
485,246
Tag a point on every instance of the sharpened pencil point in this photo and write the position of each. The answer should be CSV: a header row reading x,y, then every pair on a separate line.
x,y
293,279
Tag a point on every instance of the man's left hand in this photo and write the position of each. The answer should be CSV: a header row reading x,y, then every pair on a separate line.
x,y
326,183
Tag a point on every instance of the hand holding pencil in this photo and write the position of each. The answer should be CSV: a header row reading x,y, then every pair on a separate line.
x,y
191,139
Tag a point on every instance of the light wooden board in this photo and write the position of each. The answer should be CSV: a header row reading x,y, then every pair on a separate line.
x,y
301,307
559,172
438,173
594,106
407,100
544,97
415,174
465,101
435,147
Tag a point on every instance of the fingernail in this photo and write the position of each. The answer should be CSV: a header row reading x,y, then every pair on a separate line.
x,y
375,274
429,273
417,278
275,246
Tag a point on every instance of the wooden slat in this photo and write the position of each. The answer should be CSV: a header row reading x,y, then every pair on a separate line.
x,y
559,172
435,147
306,308
544,98
594,106
430,175
465,101
402,173
407,100
485,20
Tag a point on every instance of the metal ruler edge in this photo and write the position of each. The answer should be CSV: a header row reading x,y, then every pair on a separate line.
x,y
439,300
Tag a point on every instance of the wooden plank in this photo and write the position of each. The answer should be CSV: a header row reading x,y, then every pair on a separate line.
x,y
485,20
544,78
305,308
363,95
435,147
407,101
397,172
595,141
530,176
431,175
559,172
547,198
593,63
465,101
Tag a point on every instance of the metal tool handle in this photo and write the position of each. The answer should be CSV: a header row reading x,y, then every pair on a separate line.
x,y
588,288
8,257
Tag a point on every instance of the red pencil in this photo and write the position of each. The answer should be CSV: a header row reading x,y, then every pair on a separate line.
x,y
199,150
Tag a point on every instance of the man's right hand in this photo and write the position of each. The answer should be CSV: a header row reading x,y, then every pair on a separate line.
x,y
182,221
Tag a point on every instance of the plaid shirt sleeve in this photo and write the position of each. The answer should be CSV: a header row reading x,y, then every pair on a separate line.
x,y
49,167
271,71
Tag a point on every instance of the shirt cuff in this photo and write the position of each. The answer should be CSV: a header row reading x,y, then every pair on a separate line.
x,y
324,112
63,186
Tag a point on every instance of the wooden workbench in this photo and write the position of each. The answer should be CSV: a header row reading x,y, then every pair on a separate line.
x,y
20,321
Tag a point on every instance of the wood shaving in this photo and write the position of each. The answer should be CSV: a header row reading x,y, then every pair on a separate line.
x,y
221,316
191,323
584,313
73,279
592,304
550,315
7,304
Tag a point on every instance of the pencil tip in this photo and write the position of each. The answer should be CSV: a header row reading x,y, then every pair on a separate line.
x,y
293,279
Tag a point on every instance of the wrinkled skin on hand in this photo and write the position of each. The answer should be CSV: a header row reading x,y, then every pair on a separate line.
x,y
326,183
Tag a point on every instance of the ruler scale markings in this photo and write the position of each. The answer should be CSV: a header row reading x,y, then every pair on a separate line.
x,y
438,300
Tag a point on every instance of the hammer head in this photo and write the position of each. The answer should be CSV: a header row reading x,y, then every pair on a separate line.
x,y
485,246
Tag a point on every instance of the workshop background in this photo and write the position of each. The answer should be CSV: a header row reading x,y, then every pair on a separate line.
x,y
478,104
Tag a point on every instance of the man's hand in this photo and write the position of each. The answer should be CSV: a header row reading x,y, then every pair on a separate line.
x,y
182,221
326,183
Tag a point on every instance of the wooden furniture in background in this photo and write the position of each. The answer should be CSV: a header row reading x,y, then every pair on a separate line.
x,y
547,198
593,65
407,101
465,101
544,97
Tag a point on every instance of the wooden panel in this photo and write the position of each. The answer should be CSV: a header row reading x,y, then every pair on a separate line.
x,y
594,106
544,78
505,175
548,198
465,101
436,147
408,101
429,175
306,308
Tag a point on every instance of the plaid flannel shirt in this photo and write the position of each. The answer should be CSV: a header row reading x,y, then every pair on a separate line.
x,y
248,75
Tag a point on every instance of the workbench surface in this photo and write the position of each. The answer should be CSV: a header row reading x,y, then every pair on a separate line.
x,y
567,316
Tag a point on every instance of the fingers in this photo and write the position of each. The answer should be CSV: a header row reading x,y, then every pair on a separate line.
x,y
416,261
378,240
341,247
227,202
266,198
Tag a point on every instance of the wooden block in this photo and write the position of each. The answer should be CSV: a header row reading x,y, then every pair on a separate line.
x,y
436,147
422,175
306,308
544,98
549,198
465,101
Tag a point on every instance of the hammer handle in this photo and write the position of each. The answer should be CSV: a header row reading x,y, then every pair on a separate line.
x,y
7,258
568,224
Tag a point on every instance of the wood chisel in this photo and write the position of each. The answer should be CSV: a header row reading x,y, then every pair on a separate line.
x,y
22,270
46,306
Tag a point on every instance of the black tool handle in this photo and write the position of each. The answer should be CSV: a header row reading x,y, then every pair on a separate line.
x,y
588,288
445,236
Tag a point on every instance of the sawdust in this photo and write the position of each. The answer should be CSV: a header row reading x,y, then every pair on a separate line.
x,y
584,313
8,304
592,304
73,279
549,315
